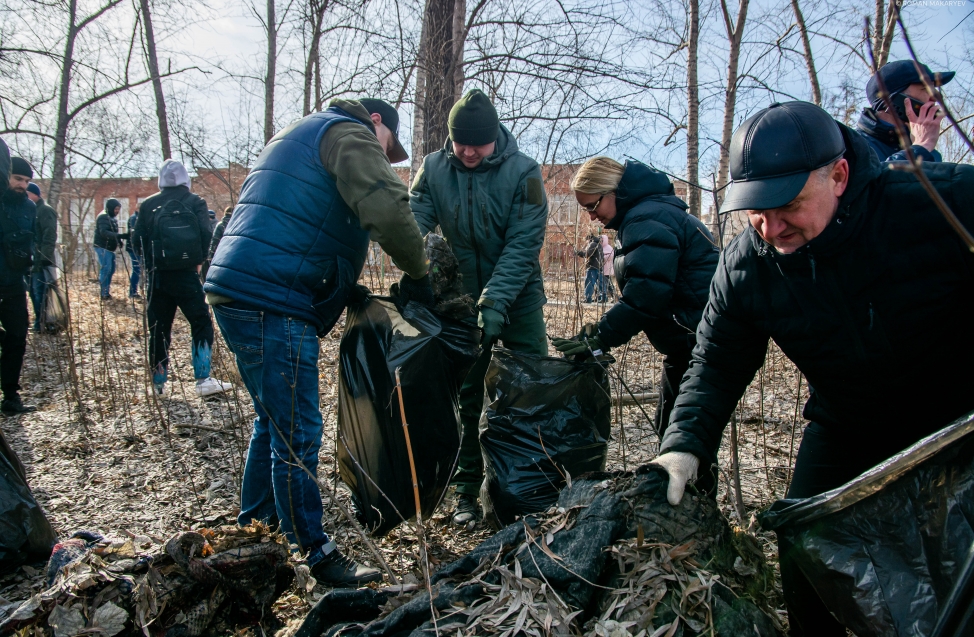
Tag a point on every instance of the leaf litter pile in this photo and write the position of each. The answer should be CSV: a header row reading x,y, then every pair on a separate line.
x,y
103,454
612,558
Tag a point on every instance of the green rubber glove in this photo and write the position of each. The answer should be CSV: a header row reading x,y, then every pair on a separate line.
x,y
492,323
586,342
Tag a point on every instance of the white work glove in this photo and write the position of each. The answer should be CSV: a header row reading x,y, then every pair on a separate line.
x,y
681,467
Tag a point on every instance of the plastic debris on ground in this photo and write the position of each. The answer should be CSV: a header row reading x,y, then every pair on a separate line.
x,y
204,582
25,533
885,550
610,558
546,420
433,355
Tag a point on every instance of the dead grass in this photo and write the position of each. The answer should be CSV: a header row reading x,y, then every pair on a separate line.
x,y
103,453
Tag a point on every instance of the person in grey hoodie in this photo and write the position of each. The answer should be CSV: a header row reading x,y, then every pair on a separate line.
x,y
170,288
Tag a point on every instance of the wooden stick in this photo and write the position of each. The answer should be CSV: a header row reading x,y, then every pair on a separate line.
x,y
420,527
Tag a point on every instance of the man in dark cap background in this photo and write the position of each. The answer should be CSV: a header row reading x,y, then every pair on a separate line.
x,y
16,238
489,201
281,276
43,273
912,104
847,265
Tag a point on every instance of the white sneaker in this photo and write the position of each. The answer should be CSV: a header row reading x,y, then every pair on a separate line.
x,y
209,386
159,388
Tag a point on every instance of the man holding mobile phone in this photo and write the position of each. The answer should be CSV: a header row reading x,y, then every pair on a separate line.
x,y
912,104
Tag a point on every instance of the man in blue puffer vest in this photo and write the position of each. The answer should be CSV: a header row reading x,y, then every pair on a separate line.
x,y
280,278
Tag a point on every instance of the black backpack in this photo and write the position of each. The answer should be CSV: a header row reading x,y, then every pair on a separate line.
x,y
175,237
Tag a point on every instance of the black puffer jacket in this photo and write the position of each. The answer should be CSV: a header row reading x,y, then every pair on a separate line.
x,y
874,311
664,266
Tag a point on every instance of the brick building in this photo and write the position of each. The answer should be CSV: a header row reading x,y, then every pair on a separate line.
x,y
83,199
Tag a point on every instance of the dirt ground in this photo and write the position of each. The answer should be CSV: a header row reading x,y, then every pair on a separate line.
x,y
104,454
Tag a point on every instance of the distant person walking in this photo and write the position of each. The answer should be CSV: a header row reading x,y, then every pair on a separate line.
x,y
592,253
134,257
106,243
172,235
44,272
608,269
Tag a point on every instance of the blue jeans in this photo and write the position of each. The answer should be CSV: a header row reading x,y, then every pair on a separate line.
x,y
594,279
38,296
278,360
106,260
136,272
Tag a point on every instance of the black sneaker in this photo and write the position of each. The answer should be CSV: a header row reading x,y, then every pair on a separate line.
x,y
337,570
14,406
467,511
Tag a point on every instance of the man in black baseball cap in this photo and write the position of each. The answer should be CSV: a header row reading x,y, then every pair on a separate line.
x,y
912,104
847,265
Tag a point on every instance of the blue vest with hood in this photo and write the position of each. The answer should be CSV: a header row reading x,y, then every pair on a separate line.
x,y
293,246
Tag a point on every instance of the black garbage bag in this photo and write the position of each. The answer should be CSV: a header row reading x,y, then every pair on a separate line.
x,y
433,355
55,316
545,419
25,533
885,550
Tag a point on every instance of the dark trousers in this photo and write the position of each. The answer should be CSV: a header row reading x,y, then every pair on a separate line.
x,y
525,333
826,460
169,290
13,342
674,366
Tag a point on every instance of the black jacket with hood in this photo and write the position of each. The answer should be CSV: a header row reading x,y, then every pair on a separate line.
x,y
174,184
106,228
873,311
664,265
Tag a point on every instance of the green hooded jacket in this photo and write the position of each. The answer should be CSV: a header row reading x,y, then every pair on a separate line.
x,y
493,217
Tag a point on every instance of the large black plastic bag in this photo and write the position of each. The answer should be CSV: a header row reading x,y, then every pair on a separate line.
x,y
25,533
885,550
434,355
545,419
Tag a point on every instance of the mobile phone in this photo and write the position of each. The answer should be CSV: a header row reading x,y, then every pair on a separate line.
x,y
899,105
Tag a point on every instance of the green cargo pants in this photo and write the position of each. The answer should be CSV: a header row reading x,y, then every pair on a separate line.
x,y
525,333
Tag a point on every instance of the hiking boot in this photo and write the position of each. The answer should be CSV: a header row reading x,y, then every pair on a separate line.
x,y
209,386
337,570
14,406
467,511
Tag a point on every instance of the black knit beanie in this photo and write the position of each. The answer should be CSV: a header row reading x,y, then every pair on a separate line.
x,y
473,120
19,166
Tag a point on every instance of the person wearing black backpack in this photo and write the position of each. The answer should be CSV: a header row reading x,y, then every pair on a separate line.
x,y
17,215
173,234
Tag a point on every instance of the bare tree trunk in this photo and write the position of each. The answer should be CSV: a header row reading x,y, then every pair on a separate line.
x,y
440,82
809,60
316,15
271,71
419,104
734,36
150,47
693,111
459,27
63,119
